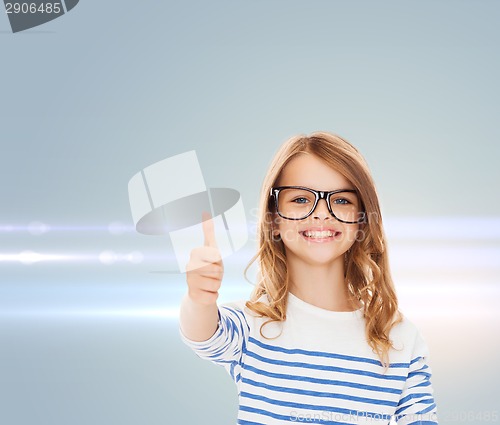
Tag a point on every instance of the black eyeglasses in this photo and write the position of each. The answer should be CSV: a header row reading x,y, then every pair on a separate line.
x,y
297,203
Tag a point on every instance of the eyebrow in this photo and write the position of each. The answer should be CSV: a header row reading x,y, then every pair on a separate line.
x,y
308,187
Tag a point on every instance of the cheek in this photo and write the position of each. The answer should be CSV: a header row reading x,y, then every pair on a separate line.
x,y
359,233
288,231
352,233
283,227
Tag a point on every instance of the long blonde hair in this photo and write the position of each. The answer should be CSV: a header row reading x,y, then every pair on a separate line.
x,y
367,273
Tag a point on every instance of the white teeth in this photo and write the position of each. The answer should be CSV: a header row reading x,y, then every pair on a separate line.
x,y
316,234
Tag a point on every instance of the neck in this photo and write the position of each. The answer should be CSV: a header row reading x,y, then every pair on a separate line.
x,y
322,285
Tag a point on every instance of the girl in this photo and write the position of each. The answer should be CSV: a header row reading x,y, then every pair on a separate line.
x,y
321,339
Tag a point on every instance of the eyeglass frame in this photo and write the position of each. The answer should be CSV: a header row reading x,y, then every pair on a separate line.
x,y
319,194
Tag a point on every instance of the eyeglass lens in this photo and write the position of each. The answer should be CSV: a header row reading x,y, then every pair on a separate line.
x,y
298,203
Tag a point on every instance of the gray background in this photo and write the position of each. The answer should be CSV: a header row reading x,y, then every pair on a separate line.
x,y
91,98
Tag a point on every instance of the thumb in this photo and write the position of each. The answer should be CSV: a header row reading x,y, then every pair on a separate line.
x,y
208,229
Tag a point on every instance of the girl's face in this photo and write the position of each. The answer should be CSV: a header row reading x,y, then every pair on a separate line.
x,y
319,239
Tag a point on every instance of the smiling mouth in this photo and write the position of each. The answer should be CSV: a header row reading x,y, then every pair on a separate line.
x,y
323,234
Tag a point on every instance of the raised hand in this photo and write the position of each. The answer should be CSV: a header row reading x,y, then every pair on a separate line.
x,y
205,268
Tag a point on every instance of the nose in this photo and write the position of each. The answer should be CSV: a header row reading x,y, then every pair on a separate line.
x,y
321,210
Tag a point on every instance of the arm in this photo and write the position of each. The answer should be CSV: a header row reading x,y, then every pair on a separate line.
x,y
216,334
416,405
198,322
227,345
199,312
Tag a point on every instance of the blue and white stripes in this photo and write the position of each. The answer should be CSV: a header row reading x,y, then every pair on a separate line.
x,y
324,374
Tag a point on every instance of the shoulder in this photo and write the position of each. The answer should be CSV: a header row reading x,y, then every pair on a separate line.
x,y
240,305
405,328
406,336
239,310
235,304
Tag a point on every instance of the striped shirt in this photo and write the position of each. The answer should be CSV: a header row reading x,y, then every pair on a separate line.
x,y
318,368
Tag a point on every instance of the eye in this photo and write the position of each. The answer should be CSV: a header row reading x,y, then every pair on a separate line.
x,y
300,200
341,201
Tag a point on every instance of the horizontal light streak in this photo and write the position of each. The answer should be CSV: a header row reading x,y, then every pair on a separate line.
x,y
30,257
170,313
427,289
410,311
447,312
411,228
105,257
433,300
39,228
447,228
446,258
414,301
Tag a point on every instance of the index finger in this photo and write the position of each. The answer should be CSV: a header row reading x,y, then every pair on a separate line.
x,y
208,229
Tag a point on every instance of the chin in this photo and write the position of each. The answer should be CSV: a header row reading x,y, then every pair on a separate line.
x,y
316,259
